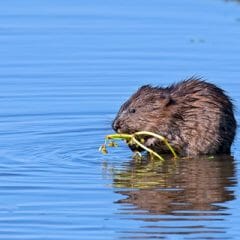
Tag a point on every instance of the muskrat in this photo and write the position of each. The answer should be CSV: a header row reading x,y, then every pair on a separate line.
x,y
195,116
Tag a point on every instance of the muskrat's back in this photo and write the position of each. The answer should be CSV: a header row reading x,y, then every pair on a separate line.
x,y
195,116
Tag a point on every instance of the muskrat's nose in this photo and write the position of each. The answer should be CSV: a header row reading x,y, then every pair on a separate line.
x,y
116,125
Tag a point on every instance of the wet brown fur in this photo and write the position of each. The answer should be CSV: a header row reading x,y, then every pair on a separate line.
x,y
195,116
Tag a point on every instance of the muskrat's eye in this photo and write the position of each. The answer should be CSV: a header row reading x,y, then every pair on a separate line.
x,y
132,110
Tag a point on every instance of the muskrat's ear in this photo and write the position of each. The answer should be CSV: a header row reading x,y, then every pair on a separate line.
x,y
167,100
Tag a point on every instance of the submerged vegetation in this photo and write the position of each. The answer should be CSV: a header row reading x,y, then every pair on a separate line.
x,y
137,139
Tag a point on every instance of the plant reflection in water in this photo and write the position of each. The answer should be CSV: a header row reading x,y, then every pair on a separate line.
x,y
187,184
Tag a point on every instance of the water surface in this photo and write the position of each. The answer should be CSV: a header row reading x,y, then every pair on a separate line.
x,y
65,69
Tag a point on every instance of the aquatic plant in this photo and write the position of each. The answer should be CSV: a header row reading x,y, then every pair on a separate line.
x,y
136,138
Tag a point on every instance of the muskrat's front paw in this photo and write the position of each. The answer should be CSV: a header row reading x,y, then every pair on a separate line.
x,y
135,148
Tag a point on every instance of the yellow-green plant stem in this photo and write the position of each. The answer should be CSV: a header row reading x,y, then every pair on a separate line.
x,y
133,139
146,133
147,149
124,136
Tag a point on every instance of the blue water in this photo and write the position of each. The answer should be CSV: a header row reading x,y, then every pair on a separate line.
x,y
65,69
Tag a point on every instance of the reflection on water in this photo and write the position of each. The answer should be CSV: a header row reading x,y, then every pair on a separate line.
x,y
187,189
65,68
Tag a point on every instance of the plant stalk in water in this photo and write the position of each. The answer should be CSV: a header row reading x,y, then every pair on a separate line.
x,y
133,139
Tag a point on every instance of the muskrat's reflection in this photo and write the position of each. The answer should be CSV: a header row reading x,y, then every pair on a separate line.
x,y
188,184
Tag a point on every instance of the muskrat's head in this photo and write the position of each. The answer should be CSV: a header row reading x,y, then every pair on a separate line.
x,y
149,109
